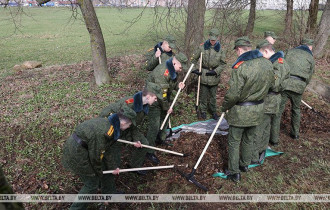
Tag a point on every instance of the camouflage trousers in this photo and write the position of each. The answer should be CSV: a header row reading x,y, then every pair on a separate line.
x,y
208,98
91,185
263,133
236,137
155,117
295,99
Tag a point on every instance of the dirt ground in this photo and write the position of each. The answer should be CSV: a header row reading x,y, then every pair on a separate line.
x,y
303,168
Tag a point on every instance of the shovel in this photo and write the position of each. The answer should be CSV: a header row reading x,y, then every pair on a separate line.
x,y
199,84
151,147
139,169
190,177
176,97
316,112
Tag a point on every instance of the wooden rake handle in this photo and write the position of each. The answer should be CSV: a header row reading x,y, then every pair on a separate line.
x,y
151,147
139,169
210,140
176,97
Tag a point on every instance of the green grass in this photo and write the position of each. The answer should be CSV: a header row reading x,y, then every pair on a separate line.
x,y
52,36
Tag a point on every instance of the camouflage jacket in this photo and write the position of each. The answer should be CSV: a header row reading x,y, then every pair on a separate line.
x,y
213,59
134,102
165,76
5,188
281,70
152,61
99,134
251,78
302,67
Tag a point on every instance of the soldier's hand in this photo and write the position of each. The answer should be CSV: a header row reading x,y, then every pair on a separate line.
x,y
211,73
181,85
116,172
158,53
169,111
196,71
138,144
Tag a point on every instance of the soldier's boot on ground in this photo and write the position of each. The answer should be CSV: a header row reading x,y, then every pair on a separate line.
x,y
203,115
234,177
296,137
152,157
215,116
273,144
244,168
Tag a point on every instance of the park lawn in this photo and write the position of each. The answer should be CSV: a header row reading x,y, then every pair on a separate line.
x,y
54,37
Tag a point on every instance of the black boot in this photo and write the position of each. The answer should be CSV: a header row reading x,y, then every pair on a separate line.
x,y
234,177
203,115
244,168
152,157
215,116
294,136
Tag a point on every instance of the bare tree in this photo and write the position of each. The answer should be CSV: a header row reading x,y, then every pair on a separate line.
x,y
99,58
323,32
312,17
195,25
252,17
288,18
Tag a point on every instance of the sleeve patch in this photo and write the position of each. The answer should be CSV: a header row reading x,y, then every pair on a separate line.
x,y
166,73
129,101
110,131
238,64
280,60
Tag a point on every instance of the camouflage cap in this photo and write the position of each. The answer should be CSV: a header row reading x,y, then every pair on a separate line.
x,y
129,113
214,33
242,41
171,41
262,43
182,58
307,41
270,33
155,89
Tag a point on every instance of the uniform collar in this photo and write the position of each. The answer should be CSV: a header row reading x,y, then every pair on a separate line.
x,y
114,121
276,56
250,55
216,47
159,45
138,103
170,67
305,48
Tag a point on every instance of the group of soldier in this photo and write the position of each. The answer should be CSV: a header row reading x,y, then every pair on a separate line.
x,y
261,82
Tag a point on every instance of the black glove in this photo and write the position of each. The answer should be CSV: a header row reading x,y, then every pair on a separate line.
x,y
196,71
211,73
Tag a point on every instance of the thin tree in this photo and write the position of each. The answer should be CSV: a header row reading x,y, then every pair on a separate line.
x,y
288,18
252,17
312,17
99,58
324,30
195,25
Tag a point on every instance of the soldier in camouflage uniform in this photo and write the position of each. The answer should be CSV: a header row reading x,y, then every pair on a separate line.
x,y
165,75
213,63
5,188
270,36
162,50
302,67
251,78
140,103
86,152
267,131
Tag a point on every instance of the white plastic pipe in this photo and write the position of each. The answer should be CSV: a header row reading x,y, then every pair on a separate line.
x,y
139,169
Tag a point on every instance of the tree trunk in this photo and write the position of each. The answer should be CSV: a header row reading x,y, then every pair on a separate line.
x,y
99,58
288,18
312,17
252,17
195,25
323,32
